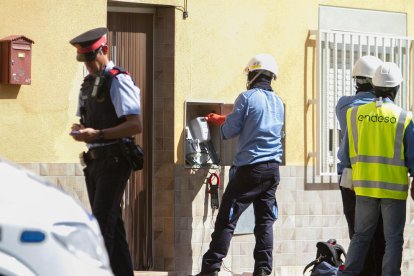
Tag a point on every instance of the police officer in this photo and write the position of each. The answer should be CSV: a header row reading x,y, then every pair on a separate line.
x,y
362,72
257,119
109,107
379,144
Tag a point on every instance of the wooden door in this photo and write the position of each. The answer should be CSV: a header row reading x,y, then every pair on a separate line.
x,y
130,39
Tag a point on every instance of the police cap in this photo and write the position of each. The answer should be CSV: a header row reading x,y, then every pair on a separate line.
x,y
89,43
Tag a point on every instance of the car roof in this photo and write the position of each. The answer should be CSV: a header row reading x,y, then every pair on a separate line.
x,y
29,199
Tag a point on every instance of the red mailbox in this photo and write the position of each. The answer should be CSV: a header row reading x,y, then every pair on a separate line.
x,y
15,60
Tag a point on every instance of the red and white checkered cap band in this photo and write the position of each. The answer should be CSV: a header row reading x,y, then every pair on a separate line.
x,y
92,47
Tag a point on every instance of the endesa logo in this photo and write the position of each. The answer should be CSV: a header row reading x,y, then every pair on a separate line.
x,y
377,119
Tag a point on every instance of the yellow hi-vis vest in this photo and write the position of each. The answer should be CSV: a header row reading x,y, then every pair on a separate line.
x,y
376,150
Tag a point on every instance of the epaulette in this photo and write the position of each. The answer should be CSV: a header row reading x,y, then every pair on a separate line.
x,y
117,70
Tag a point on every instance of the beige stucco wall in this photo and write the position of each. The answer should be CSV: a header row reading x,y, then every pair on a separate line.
x,y
35,119
219,37
176,3
212,47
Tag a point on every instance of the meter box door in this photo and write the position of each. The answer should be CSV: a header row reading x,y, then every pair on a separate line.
x,y
15,60
228,147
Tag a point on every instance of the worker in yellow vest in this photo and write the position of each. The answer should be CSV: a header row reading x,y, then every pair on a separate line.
x,y
380,146
362,73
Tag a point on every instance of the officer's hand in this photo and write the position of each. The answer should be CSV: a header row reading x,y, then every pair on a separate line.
x,y
216,119
75,132
77,127
86,135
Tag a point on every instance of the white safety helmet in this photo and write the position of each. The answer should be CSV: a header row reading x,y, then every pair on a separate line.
x,y
366,66
388,74
263,62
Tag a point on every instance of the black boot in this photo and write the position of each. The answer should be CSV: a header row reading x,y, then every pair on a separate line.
x,y
214,273
260,272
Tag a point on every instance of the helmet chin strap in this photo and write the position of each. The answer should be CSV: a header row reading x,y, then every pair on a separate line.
x,y
253,79
363,80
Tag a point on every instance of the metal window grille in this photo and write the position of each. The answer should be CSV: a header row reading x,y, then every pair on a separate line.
x,y
336,53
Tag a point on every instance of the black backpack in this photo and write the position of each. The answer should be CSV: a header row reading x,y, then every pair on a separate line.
x,y
328,258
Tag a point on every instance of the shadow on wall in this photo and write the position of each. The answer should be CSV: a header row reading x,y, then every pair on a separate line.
x,y
9,91
309,118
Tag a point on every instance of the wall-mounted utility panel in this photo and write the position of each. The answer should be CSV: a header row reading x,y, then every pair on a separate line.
x,y
15,60
202,149
203,145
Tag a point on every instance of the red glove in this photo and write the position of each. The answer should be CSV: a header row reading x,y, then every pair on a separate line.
x,y
216,119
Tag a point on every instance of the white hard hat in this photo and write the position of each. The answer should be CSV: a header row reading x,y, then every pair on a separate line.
x,y
262,62
366,66
387,74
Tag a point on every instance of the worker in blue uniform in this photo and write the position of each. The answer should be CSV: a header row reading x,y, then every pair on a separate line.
x,y
257,119
362,72
109,111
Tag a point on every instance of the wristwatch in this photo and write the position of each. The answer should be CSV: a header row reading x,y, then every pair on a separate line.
x,y
101,135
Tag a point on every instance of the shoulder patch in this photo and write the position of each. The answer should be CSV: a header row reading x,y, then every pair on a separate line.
x,y
115,71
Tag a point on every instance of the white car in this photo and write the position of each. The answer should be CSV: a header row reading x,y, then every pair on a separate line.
x,y
44,231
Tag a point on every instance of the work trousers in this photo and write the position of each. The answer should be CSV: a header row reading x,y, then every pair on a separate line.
x,y
366,218
373,261
255,184
106,179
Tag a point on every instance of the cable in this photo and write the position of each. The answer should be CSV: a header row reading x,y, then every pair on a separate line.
x,y
212,226
201,249
183,9
213,222
226,268
198,155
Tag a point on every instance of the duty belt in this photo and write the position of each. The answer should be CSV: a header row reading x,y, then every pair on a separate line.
x,y
102,152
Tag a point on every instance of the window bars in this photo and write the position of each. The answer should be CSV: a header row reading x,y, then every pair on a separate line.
x,y
336,53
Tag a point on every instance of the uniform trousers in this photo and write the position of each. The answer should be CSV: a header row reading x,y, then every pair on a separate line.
x,y
366,219
252,184
106,179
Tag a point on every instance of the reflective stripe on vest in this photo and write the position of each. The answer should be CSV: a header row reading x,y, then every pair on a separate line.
x,y
373,174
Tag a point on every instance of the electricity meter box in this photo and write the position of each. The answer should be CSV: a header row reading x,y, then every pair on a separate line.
x,y
15,60
203,145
